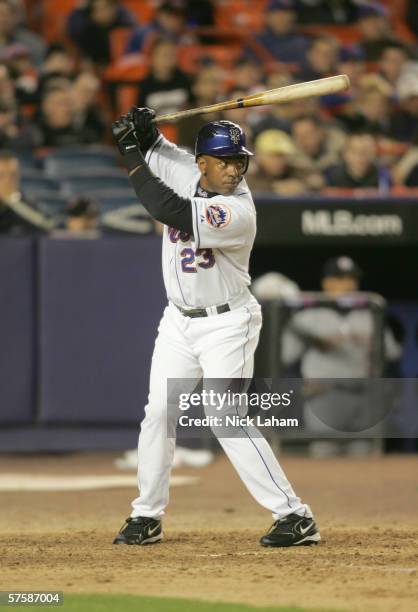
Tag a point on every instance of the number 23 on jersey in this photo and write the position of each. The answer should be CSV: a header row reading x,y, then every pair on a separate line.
x,y
191,259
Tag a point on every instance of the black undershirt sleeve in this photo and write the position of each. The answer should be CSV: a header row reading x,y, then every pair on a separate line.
x,y
162,203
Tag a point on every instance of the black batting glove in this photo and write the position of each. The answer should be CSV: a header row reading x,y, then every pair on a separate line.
x,y
123,131
145,127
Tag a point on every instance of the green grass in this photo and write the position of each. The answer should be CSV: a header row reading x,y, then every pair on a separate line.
x,y
132,603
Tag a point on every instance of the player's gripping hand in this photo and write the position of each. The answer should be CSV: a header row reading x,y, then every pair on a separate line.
x,y
145,127
123,131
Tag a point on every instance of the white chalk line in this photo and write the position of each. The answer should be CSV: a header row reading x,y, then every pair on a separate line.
x,y
377,568
39,482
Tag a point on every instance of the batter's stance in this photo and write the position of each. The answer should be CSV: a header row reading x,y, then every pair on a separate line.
x,y
211,325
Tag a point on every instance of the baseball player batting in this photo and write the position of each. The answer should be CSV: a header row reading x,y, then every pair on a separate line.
x,y
211,325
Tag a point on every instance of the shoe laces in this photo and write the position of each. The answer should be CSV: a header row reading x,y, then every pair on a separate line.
x,y
133,523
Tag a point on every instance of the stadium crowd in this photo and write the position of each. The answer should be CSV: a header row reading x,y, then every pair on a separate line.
x,y
67,70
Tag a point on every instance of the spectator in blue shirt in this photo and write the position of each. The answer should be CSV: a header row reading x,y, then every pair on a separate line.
x,y
169,23
359,167
280,37
320,60
89,27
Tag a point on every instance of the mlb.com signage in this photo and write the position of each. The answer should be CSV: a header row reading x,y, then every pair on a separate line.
x,y
297,221
344,222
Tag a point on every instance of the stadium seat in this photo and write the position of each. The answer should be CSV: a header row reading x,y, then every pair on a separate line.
x,y
36,186
66,170
88,185
246,15
107,203
143,9
61,160
119,38
128,68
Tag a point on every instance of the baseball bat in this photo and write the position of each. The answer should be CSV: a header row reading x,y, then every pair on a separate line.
x,y
280,95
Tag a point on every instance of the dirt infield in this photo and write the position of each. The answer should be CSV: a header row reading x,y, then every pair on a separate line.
x,y
367,511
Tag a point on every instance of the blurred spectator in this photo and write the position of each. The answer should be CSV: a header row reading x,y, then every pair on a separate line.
x,y
58,60
206,89
359,167
89,27
333,343
16,216
350,61
7,88
169,23
248,75
88,118
57,70
404,126
23,72
280,116
54,124
166,89
323,11
280,37
318,145
12,32
12,136
371,110
81,216
320,60
375,30
392,60
275,171
240,115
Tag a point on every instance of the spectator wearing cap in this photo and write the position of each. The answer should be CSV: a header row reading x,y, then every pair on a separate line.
x,y
166,89
320,60
375,30
280,37
335,343
350,61
359,167
169,23
276,172
404,124
318,144
13,32
90,25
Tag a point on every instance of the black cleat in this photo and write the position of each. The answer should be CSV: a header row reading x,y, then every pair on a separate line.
x,y
292,530
140,530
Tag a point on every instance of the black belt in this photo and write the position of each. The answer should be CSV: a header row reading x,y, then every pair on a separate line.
x,y
202,312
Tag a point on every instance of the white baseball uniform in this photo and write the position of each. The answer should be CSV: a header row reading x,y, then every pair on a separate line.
x,y
206,270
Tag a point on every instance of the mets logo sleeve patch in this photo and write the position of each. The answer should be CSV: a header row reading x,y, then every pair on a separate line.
x,y
221,222
218,215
